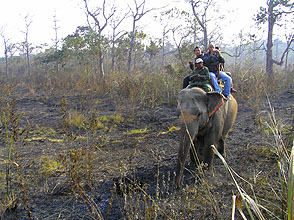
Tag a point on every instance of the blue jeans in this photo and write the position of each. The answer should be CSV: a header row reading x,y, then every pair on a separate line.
x,y
224,77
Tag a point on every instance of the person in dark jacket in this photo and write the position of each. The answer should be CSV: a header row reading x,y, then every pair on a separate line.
x,y
212,61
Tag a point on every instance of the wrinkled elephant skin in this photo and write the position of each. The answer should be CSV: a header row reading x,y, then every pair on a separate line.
x,y
206,120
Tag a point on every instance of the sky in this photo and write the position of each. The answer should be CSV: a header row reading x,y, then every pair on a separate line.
x,y
71,13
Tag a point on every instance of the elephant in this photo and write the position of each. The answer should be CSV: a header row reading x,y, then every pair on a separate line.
x,y
206,119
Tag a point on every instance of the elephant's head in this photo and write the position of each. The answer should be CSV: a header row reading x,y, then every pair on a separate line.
x,y
194,110
196,106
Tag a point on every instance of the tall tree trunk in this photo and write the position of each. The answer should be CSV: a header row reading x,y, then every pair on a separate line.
x,y
6,65
269,45
131,47
254,52
28,60
6,58
163,50
202,23
56,43
101,59
286,64
112,50
205,38
27,44
164,33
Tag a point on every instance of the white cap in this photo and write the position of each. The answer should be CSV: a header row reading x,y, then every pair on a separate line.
x,y
199,60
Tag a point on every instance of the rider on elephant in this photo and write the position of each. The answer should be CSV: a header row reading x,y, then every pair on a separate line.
x,y
214,58
222,68
200,77
198,54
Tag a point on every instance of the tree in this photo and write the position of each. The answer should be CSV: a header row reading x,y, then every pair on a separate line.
x,y
273,14
289,39
137,13
26,46
56,41
165,21
200,9
115,23
164,36
181,34
83,46
8,48
101,20
153,49
239,44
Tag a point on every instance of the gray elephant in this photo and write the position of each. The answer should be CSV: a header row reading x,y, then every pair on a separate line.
x,y
206,120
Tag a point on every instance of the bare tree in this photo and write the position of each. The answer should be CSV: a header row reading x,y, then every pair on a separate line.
x,y
27,46
200,11
176,32
166,29
56,41
164,33
6,49
241,43
101,20
137,13
115,23
274,12
180,33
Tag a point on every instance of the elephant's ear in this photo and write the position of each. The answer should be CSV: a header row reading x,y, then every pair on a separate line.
x,y
215,101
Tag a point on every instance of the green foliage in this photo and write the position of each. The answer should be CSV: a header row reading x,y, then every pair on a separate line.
x,y
286,131
76,119
154,48
51,167
261,17
277,8
46,131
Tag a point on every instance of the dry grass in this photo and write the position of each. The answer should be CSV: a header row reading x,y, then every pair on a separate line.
x,y
76,171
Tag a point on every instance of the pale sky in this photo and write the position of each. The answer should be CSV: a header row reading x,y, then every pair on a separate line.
x,y
70,14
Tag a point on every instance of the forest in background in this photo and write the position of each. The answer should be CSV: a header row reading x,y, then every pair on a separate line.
x,y
103,47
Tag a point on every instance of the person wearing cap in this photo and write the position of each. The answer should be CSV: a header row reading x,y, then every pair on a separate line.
x,y
198,54
200,77
214,58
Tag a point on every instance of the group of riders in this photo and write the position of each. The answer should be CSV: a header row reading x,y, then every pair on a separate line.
x,y
207,71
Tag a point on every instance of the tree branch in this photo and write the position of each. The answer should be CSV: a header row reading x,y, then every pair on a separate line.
x,y
284,53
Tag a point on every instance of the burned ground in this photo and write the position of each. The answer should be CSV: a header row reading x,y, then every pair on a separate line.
x,y
85,157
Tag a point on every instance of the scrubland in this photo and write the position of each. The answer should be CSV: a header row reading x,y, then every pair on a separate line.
x,y
74,147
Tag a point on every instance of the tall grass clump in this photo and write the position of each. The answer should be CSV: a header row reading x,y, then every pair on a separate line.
x,y
285,163
281,206
147,89
14,181
252,83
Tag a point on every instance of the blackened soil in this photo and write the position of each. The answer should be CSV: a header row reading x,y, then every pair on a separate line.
x,y
112,162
